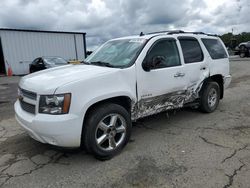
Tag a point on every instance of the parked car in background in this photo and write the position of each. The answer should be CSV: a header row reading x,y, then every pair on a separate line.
x,y
42,63
243,49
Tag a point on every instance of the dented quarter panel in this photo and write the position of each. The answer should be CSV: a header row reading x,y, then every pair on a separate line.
x,y
216,66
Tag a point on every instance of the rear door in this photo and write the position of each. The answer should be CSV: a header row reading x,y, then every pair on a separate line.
x,y
196,66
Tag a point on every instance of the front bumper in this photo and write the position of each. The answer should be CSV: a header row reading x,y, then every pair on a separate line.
x,y
227,81
58,130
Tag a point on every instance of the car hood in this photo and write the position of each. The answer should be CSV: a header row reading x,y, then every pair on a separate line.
x,y
47,81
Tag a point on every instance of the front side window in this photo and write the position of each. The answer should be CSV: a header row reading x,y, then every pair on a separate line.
x,y
215,48
117,53
163,54
191,50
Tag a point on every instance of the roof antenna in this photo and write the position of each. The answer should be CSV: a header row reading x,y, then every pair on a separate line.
x,y
141,34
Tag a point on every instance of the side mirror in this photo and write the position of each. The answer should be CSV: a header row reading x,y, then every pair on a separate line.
x,y
153,63
146,65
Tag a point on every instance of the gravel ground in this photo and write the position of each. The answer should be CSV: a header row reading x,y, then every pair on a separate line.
x,y
179,149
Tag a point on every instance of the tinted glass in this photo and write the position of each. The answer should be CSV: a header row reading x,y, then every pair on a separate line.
x,y
167,52
215,48
191,50
55,60
35,61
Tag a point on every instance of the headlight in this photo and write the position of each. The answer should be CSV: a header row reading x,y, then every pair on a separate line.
x,y
54,104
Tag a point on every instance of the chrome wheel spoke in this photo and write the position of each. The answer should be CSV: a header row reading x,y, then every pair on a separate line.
x,y
212,97
113,120
102,139
120,129
103,126
112,142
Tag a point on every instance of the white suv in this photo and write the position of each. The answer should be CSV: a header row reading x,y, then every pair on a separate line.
x,y
93,104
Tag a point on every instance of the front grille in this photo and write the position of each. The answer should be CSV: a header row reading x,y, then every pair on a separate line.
x,y
28,94
28,107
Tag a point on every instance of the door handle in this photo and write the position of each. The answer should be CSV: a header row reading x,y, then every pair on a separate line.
x,y
203,68
179,74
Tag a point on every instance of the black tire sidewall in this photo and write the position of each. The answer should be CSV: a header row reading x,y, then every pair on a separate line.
x,y
204,97
97,115
243,51
242,54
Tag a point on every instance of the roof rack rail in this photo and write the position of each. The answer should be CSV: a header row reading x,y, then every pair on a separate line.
x,y
178,32
212,35
195,33
142,34
167,32
175,32
157,32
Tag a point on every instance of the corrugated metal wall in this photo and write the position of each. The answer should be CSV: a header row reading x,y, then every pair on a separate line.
x,y
20,48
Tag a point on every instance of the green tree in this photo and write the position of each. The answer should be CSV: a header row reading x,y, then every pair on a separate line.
x,y
232,41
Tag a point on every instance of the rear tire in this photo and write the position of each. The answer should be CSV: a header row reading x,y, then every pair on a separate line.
x,y
210,97
243,51
107,130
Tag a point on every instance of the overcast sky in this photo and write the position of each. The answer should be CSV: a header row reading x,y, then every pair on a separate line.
x,y
106,19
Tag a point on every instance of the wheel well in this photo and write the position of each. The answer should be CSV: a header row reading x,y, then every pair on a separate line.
x,y
219,79
121,100
244,48
124,101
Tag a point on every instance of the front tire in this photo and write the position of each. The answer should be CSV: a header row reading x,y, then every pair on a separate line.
x,y
107,130
210,97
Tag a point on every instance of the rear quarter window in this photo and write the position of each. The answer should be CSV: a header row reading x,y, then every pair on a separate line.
x,y
215,48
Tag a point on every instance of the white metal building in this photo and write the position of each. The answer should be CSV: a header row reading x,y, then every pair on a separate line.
x,y
18,48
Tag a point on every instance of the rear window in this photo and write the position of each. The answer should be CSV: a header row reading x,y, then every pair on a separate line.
x,y
191,50
215,48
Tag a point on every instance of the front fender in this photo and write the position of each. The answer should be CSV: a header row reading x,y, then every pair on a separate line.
x,y
85,93
103,98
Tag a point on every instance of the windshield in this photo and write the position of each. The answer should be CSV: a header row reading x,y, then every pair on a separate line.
x,y
117,53
55,60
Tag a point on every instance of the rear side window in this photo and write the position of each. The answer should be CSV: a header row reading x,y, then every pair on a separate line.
x,y
191,50
215,48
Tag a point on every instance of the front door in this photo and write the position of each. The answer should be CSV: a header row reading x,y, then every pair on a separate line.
x,y
163,86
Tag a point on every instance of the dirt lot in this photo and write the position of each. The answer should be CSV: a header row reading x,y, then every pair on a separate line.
x,y
182,149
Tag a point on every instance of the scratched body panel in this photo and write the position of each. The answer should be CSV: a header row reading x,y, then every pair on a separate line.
x,y
174,100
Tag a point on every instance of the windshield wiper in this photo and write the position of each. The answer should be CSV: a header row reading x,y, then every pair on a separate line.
x,y
101,63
